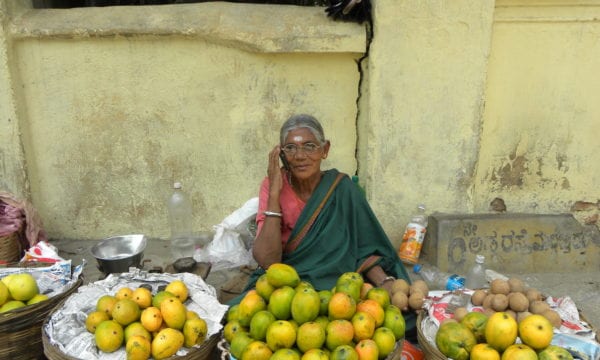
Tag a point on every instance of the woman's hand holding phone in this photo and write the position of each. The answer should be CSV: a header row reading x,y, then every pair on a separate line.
x,y
286,164
274,170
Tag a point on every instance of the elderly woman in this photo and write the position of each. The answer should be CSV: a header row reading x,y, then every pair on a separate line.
x,y
318,221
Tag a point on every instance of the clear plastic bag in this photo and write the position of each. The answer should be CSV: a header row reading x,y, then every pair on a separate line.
x,y
231,243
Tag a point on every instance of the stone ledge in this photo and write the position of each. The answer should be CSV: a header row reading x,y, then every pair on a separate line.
x,y
251,27
545,11
512,243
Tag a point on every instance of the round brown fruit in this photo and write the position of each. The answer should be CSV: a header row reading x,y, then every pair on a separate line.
x,y
400,285
500,302
460,313
419,285
499,286
511,313
489,312
487,301
538,306
533,295
415,300
518,302
553,317
400,300
478,296
522,315
516,285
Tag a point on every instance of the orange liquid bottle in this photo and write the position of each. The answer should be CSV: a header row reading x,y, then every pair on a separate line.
x,y
412,241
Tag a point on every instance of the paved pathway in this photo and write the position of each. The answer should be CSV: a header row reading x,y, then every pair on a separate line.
x,y
582,287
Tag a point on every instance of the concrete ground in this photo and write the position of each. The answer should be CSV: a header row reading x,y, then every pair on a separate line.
x,y
582,287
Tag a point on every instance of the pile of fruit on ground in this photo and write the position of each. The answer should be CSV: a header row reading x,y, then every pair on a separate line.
x,y
147,325
286,318
506,322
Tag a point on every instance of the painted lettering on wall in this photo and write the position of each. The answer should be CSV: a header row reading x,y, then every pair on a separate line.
x,y
512,241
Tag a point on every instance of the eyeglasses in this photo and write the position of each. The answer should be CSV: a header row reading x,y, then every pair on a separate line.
x,y
308,148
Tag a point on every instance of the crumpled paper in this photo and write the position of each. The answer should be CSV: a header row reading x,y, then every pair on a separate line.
x,y
42,252
227,248
66,326
53,279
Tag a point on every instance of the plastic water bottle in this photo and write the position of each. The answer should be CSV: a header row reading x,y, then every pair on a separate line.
x,y
476,276
180,221
412,241
437,279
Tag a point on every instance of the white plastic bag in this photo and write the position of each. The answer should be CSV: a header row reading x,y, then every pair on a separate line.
x,y
227,248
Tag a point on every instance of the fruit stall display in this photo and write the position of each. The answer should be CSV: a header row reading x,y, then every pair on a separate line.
x,y
136,315
28,293
507,321
284,317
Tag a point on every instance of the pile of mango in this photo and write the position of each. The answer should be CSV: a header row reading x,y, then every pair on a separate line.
x,y
284,317
476,336
148,325
19,290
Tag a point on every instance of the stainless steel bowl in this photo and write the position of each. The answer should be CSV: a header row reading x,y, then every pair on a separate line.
x,y
118,253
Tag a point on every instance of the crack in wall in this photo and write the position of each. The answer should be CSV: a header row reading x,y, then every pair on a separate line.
x,y
360,62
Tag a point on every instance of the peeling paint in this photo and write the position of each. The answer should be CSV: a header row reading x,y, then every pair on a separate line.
x,y
513,172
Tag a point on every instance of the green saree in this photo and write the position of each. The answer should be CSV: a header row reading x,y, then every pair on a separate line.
x,y
338,232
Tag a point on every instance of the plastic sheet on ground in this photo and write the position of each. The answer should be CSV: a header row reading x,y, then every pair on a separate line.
x,y
66,326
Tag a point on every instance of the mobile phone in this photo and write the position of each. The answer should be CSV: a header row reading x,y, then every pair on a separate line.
x,y
286,164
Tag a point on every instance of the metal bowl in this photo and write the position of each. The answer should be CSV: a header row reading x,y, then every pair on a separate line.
x,y
118,253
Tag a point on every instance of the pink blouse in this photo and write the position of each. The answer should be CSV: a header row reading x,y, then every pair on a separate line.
x,y
291,207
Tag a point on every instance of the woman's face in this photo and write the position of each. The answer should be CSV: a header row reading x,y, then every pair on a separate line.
x,y
304,153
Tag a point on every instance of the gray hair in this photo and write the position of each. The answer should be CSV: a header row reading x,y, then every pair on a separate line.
x,y
302,121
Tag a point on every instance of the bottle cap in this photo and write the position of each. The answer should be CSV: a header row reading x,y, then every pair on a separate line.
x,y
479,259
417,268
177,185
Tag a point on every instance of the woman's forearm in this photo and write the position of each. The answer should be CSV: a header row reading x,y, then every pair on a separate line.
x,y
379,278
267,245
376,275
267,248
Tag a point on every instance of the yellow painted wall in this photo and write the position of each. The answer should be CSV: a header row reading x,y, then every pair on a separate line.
x,y
539,143
456,102
12,167
428,65
114,114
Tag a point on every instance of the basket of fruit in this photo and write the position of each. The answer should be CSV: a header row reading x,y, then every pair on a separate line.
x,y
284,315
28,293
136,315
507,320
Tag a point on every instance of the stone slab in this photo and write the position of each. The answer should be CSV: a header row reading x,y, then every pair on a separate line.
x,y
512,243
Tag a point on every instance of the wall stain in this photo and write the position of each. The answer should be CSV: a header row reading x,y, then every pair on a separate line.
x,y
513,169
512,173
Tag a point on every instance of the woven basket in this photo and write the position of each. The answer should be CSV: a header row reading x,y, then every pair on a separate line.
x,y
10,248
21,329
203,352
430,351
